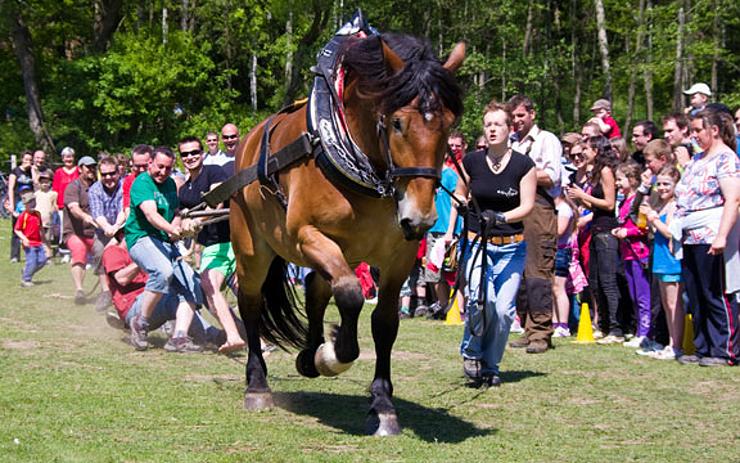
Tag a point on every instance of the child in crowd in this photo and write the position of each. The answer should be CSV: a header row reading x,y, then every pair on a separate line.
x,y
28,229
602,111
634,251
46,205
665,266
563,257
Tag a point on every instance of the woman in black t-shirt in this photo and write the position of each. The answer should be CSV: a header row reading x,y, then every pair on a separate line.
x,y
604,247
503,184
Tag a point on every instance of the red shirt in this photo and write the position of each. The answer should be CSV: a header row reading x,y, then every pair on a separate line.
x,y
60,182
614,132
29,223
116,258
127,182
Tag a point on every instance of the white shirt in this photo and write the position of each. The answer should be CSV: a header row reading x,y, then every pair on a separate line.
x,y
545,150
218,159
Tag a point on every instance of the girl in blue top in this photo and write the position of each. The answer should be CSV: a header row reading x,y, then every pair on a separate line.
x,y
665,266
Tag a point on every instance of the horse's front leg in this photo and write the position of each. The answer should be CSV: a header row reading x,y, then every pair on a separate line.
x,y
382,418
336,355
258,394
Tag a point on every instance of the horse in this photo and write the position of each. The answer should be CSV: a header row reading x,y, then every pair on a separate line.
x,y
399,102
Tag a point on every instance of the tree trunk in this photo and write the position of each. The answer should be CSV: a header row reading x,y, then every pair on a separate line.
x,y
165,26
648,71
603,47
289,54
677,75
22,43
717,39
575,70
253,83
107,17
633,69
503,69
321,15
185,15
528,30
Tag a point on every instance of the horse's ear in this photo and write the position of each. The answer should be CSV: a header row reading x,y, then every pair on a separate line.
x,y
392,60
456,58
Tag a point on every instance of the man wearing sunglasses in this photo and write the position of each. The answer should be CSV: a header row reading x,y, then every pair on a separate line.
x,y
106,208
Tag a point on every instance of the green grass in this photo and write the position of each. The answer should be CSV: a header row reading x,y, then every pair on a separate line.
x,y
72,390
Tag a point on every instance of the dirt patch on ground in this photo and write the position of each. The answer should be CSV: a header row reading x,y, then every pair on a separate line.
x,y
214,378
21,345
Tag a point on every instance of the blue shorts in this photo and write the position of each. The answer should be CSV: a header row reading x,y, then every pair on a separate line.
x,y
669,277
562,262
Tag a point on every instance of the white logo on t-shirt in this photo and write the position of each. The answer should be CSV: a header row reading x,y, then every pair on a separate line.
x,y
510,193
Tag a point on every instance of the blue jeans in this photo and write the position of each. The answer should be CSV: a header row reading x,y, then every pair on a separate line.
x,y
168,273
485,338
35,260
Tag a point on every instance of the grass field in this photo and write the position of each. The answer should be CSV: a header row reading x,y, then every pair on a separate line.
x,y
73,390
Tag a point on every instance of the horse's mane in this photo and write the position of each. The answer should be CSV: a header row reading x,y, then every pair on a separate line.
x,y
423,74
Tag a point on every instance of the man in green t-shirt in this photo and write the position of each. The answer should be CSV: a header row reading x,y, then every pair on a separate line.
x,y
151,228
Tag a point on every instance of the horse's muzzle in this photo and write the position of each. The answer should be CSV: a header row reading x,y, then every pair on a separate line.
x,y
413,231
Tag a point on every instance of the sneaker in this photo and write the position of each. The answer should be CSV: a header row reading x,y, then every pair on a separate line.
x,y
648,346
114,321
13,260
611,339
471,369
80,297
64,259
689,359
138,333
714,362
492,380
421,311
636,341
27,284
516,326
668,353
598,334
436,311
103,302
561,332
182,344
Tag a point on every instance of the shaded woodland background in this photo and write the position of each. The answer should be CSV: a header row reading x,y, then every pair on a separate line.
x,y
109,74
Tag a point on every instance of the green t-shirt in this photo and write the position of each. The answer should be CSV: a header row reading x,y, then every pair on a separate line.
x,y
143,189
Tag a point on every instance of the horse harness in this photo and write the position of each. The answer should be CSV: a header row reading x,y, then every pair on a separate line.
x,y
327,139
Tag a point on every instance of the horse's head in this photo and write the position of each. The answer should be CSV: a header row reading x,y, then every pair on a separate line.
x,y
411,99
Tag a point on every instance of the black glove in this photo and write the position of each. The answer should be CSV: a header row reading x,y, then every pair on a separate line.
x,y
491,218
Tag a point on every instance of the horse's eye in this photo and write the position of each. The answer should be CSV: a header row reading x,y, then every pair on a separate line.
x,y
396,124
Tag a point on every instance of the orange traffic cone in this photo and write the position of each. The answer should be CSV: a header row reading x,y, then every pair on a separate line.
x,y
585,330
453,315
688,336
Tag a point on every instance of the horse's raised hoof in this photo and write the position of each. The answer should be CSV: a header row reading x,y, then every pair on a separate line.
x,y
383,424
255,401
304,363
326,361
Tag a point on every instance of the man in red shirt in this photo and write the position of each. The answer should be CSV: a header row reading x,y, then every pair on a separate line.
x,y
140,156
28,230
127,282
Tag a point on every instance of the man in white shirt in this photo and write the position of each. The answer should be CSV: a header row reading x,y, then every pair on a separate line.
x,y
535,301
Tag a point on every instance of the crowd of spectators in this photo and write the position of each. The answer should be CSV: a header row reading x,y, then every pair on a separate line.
x,y
530,225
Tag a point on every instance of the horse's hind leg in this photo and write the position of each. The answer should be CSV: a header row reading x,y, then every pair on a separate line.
x,y
258,394
335,356
318,294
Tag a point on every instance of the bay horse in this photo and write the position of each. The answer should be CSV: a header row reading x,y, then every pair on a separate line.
x,y
399,102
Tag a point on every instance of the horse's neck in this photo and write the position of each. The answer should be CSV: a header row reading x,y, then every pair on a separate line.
x,y
361,121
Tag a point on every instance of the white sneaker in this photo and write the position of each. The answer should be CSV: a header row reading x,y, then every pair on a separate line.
x,y
561,332
611,339
636,341
64,259
648,346
598,334
668,353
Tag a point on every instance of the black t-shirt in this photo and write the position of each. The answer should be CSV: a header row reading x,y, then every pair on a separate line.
x,y
496,192
603,221
228,168
23,178
190,195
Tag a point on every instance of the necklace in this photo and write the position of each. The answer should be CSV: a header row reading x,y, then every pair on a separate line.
x,y
496,161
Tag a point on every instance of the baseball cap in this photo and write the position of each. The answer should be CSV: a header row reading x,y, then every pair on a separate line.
x,y
86,161
27,196
601,104
701,87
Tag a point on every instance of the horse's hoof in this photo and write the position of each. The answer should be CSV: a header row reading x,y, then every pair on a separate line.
x,y
255,401
383,424
326,361
304,363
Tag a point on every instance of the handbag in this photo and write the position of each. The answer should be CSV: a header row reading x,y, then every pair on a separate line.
x,y
450,262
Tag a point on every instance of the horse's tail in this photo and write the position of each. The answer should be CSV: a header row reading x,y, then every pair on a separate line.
x,y
281,322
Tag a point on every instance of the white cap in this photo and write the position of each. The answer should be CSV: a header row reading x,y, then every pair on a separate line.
x,y
701,87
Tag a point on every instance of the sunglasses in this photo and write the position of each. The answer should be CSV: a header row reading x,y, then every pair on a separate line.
x,y
187,154
229,137
109,174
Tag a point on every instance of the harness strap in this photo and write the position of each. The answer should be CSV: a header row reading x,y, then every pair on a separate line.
x,y
300,148
430,172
